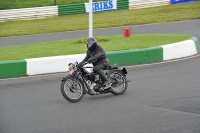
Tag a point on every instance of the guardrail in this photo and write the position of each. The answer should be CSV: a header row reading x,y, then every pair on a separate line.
x,y
28,13
71,9
136,4
61,10
122,4
50,11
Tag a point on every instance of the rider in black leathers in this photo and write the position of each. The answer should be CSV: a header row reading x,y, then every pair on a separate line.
x,y
97,56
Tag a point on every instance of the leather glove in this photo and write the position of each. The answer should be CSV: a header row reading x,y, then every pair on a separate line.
x,y
79,66
90,60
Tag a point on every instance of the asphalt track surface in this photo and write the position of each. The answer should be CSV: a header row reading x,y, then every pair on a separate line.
x,y
191,27
162,98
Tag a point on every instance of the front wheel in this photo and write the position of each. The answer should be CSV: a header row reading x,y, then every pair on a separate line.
x,y
72,89
119,82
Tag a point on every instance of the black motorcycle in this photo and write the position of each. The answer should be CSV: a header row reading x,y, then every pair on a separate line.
x,y
85,81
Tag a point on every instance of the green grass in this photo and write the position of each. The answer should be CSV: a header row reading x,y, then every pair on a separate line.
x,y
101,20
105,19
14,4
72,46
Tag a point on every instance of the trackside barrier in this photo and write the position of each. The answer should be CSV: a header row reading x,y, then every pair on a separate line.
x,y
180,1
178,50
136,4
61,10
56,64
14,68
50,11
28,13
51,64
196,43
135,56
71,9
122,4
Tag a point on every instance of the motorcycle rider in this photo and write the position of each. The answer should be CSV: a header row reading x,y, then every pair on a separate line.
x,y
97,56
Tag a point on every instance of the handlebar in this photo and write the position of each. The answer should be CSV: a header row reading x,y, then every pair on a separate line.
x,y
85,63
81,65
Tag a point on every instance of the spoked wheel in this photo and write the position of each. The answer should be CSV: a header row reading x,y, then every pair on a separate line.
x,y
119,83
72,89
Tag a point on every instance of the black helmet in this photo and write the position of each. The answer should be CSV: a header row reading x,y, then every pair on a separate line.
x,y
92,41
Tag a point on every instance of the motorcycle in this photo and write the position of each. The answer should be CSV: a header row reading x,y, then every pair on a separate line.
x,y
84,80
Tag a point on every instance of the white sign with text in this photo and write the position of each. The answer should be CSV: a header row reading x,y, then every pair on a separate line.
x,y
102,5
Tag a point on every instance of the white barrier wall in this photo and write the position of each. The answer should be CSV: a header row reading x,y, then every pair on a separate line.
x,y
28,13
135,4
178,50
60,63
51,64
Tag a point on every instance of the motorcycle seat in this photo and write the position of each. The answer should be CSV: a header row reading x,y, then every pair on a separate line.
x,y
115,66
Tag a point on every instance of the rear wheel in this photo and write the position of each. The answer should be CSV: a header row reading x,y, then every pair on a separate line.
x,y
72,89
119,82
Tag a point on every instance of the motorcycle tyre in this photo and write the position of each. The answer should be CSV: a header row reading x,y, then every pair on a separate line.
x,y
126,83
65,95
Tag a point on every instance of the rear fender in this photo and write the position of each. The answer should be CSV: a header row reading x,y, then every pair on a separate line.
x,y
121,70
124,70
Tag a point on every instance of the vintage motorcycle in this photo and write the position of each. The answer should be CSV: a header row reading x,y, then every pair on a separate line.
x,y
85,81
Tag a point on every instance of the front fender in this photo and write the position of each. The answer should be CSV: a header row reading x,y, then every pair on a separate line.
x,y
66,77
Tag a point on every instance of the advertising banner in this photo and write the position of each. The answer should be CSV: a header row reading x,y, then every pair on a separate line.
x,y
180,1
102,5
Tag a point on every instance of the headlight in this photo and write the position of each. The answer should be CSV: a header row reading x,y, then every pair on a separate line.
x,y
70,69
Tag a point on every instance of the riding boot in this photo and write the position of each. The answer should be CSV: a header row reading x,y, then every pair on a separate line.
x,y
104,77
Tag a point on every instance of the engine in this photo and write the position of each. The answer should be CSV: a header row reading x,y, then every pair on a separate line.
x,y
93,81
90,77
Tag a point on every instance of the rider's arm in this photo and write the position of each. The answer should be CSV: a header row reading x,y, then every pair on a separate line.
x,y
86,58
100,54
